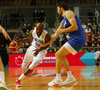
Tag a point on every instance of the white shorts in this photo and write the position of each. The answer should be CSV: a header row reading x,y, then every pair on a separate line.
x,y
30,57
70,48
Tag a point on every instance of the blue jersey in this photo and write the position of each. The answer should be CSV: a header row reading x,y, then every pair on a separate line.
x,y
78,34
77,40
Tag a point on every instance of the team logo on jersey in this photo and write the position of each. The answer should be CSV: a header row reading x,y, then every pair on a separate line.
x,y
65,24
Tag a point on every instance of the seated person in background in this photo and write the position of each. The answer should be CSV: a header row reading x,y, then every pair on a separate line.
x,y
98,61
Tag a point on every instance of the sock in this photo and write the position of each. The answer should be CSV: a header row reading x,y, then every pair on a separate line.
x,y
21,77
58,76
2,77
69,74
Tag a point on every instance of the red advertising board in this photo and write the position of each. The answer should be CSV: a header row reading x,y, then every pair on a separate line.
x,y
15,60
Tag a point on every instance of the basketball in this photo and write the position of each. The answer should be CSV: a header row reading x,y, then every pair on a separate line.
x,y
14,46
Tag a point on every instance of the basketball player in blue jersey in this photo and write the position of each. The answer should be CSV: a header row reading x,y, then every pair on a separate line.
x,y
71,24
33,54
2,76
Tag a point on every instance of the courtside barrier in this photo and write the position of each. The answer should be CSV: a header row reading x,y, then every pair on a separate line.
x,y
79,59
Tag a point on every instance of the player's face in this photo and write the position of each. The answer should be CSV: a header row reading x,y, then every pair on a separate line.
x,y
59,11
39,31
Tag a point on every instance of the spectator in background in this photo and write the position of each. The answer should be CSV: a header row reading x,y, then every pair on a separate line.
x,y
24,29
35,16
56,25
88,23
56,42
96,41
67,36
90,15
94,21
94,28
35,23
43,16
45,25
84,26
22,34
39,15
87,30
21,16
12,19
96,14
89,41
98,61
27,33
17,19
27,25
5,20
99,40
98,29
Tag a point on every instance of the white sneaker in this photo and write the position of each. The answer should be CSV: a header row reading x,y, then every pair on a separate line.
x,y
69,80
56,82
3,87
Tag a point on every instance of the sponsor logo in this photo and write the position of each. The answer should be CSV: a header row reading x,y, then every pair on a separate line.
x,y
18,60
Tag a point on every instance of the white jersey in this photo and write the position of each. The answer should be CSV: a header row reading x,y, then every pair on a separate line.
x,y
37,39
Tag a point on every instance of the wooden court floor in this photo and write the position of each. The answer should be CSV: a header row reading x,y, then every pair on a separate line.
x,y
88,78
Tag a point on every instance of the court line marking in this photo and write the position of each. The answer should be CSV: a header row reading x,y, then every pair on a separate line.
x,y
21,81
73,85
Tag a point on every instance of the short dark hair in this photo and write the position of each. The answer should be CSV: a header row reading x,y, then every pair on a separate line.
x,y
63,4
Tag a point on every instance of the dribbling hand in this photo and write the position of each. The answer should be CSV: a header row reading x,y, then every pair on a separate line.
x,y
40,45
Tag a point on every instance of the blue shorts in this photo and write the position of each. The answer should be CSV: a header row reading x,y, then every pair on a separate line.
x,y
74,45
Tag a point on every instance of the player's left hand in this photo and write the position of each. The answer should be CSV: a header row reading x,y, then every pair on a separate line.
x,y
36,52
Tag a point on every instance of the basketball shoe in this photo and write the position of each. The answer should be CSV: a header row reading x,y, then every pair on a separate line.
x,y
3,86
17,83
56,82
69,80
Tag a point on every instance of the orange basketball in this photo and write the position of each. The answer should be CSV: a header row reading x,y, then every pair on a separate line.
x,y
14,46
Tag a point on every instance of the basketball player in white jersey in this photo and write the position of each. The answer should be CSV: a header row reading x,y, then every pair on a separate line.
x,y
2,76
34,53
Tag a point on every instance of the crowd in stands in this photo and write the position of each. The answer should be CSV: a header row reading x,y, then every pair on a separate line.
x,y
91,30
15,19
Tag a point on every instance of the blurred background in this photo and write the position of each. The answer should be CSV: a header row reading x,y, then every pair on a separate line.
x,y
18,17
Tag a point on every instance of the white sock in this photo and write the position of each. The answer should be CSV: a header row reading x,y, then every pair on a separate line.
x,y
69,74
21,77
2,77
58,76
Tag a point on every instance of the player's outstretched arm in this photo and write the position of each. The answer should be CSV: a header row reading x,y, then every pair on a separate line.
x,y
28,39
5,33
